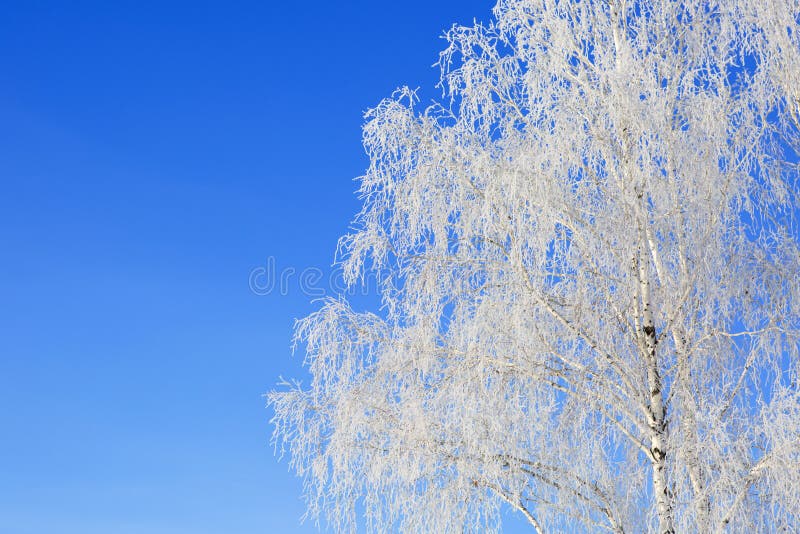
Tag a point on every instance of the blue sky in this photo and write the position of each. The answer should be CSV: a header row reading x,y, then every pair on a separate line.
x,y
152,155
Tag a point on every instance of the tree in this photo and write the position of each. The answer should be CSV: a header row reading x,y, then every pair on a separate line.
x,y
588,260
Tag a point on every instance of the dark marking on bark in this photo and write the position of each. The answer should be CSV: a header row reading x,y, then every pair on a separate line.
x,y
658,455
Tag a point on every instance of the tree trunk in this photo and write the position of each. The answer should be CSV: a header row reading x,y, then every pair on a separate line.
x,y
657,423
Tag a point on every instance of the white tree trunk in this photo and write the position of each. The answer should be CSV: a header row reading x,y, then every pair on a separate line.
x,y
657,422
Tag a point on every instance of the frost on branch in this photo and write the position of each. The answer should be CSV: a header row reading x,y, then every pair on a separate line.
x,y
588,260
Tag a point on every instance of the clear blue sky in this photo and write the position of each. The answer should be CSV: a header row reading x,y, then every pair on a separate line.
x,y
152,155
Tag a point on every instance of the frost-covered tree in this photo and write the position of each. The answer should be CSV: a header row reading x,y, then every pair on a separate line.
x,y
590,273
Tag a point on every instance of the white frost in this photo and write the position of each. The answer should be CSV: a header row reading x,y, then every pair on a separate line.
x,y
589,263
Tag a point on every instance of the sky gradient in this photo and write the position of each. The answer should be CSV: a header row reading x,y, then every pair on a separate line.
x,y
153,155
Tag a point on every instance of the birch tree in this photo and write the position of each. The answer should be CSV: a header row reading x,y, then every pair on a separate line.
x,y
588,261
